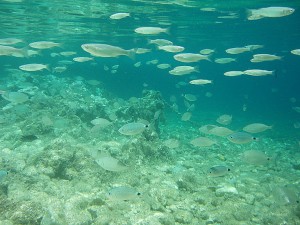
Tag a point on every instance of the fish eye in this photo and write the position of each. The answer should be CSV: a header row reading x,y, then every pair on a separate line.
x,y
228,169
138,194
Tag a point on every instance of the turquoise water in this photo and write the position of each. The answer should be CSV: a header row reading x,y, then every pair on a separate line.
x,y
48,141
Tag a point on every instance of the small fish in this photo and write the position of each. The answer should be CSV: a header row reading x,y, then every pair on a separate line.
x,y
118,16
33,67
202,142
163,66
224,60
270,12
82,59
241,138
256,128
151,30
67,53
255,157
264,57
224,119
201,82
44,44
171,48
123,193
233,73
218,171
295,51
133,128
183,70
190,57
258,72
207,51
104,50
142,50
11,51
10,41
160,42
237,50
28,138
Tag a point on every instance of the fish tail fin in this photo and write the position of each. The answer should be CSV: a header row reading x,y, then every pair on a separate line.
x,y
24,52
196,69
208,58
252,14
167,30
48,67
131,53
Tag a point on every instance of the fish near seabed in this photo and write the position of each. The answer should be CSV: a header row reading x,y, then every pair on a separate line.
x,y
218,171
241,138
123,193
133,128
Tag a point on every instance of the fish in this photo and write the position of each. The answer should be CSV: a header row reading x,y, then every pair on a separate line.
x,y
295,51
59,69
233,73
258,72
186,116
15,97
142,50
190,97
68,53
201,82
190,57
44,44
104,50
202,142
171,48
123,193
82,59
171,143
224,60
28,138
151,30
133,128
269,12
3,174
10,41
12,51
183,70
101,121
160,42
206,51
220,131
287,194
237,50
218,171
241,138
265,57
137,64
254,47
163,66
118,16
255,157
108,163
224,119
256,128
34,67
207,128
